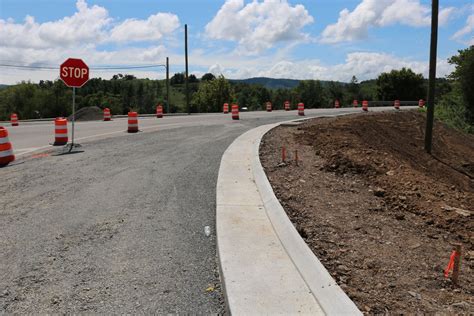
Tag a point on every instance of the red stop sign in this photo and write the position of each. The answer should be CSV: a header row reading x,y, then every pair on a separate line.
x,y
74,72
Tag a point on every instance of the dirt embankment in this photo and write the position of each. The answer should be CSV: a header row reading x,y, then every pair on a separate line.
x,y
380,213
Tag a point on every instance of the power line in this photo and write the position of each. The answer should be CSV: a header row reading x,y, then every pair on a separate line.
x,y
91,67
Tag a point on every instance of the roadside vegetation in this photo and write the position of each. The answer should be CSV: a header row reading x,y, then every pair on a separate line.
x,y
454,94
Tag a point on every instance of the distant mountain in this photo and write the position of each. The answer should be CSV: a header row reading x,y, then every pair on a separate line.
x,y
270,83
3,86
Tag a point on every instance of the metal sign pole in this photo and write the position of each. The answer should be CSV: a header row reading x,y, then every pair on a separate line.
x,y
73,114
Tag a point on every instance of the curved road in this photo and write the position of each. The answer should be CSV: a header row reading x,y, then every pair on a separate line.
x,y
119,227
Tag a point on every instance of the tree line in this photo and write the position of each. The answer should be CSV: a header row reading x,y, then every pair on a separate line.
x,y
123,93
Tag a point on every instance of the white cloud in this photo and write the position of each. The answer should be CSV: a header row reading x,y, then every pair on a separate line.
x,y
150,29
379,13
361,64
468,29
90,25
258,26
85,26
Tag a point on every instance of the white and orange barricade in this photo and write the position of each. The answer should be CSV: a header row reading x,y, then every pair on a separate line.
x,y
235,112
107,115
355,103
396,104
6,149
60,131
421,103
365,105
269,106
132,122
301,109
14,119
225,108
287,105
336,104
159,111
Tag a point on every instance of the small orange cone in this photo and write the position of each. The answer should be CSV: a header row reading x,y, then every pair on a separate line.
x,y
6,149
159,111
301,109
365,105
421,103
14,119
225,108
269,106
107,115
396,104
287,105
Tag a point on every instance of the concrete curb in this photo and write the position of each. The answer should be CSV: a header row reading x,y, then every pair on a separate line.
x,y
266,268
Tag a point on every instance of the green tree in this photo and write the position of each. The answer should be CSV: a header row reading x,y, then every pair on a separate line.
x,y
211,95
401,84
353,90
208,77
463,75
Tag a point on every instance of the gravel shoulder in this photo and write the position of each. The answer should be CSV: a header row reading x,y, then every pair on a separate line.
x,y
379,213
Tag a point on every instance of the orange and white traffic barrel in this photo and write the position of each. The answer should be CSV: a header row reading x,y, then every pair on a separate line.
x,y
365,105
6,149
107,115
336,104
132,122
269,106
287,105
60,131
355,103
159,111
301,109
14,119
225,108
421,103
396,104
235,112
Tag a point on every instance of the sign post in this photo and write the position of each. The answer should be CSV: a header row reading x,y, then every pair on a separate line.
x,y
74,73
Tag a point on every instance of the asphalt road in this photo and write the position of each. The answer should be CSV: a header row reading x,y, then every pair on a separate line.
x,y
118,228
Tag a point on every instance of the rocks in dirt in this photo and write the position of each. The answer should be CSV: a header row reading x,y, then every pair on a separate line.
x,y
390,173
415,295
457,210
379,192
399,216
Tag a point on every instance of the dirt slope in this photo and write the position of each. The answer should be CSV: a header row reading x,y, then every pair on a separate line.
x,y
379,212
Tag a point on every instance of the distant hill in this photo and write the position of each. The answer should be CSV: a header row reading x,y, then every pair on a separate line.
x,y
3,86
270,83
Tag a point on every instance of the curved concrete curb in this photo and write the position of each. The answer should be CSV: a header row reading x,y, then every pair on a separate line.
x,y
266,268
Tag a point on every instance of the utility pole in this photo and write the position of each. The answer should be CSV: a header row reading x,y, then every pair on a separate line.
x,y
186,61
432,79
167,85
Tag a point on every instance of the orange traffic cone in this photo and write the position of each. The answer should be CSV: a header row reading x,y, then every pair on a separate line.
x,y
301,109
159,111
269,106
132,122
14,119
355,103
421,103
336,104
60,131
6,149
107,115
235,112
287,105
365,105
396,104
225,108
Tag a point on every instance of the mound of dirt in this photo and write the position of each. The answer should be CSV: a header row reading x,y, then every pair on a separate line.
x,y
380,213
89,113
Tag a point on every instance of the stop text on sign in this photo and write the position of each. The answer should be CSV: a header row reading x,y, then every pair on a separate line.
x,y
74,72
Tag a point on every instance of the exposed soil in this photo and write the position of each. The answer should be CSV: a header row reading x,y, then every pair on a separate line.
x,y
89,113
380,213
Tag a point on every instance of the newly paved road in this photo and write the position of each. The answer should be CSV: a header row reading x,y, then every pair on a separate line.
x,y
118,228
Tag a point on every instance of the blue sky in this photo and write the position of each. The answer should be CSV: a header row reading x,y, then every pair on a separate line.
x,y
299,39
